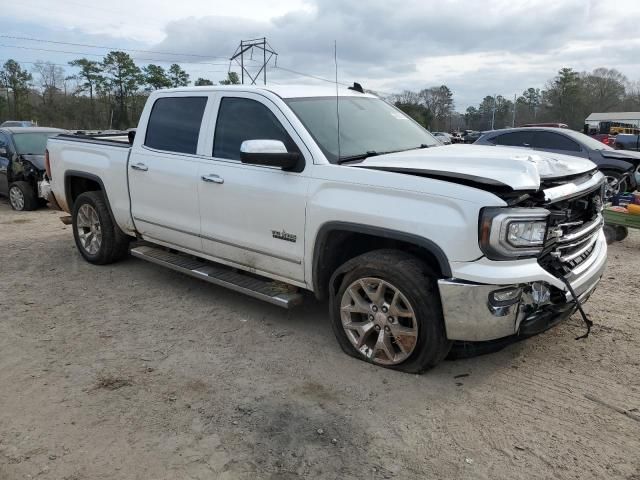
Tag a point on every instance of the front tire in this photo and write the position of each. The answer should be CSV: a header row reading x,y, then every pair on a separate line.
x,y
98,239
616,183
22,197
387,312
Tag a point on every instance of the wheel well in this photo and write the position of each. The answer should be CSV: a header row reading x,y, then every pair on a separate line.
x,y
336,247
76,185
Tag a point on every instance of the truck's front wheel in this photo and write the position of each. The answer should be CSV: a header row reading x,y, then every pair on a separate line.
x,y
97,236
387,311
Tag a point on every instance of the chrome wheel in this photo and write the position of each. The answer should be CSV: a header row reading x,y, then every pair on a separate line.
x,y
379,321
16,198
89,229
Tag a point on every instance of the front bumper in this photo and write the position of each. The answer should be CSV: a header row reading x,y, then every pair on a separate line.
x,y
468,315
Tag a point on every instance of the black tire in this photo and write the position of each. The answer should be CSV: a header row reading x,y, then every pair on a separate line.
x,y
623,185
621,233
28,196
610,233
114,245
417,282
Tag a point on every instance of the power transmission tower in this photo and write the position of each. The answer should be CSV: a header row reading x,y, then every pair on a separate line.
x,y
246,48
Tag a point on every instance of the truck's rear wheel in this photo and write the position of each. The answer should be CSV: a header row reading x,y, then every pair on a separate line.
x,y
387,312
97,236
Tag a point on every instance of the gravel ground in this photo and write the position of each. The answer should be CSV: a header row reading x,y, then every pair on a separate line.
x,y
132,371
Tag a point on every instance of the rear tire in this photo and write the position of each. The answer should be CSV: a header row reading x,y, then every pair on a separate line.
x,y
98,238
386,283
22,197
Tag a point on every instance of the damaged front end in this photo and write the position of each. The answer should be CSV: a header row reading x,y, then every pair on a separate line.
x,y
530,294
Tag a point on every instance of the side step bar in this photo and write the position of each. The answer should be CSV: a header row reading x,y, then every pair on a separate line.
x,y
261,288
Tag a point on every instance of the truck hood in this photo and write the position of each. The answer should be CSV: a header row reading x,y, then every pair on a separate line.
x,y
499,167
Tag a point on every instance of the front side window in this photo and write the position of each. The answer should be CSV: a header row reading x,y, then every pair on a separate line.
x,y
554,141
514,139
174,124
241,119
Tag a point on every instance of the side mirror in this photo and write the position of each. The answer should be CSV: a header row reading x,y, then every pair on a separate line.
x,y
3,152
270,153
131,136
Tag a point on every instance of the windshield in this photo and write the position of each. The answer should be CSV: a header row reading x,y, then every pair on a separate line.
x,y
32,143
589,142
366,125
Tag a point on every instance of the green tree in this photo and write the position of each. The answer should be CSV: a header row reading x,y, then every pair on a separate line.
x,y
564,99
88,76
177,76
156,77
232,79
201,82
123,79
604,89
17,80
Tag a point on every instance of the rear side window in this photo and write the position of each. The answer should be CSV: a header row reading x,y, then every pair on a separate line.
x,y
513,139
241,119
554,141
174,124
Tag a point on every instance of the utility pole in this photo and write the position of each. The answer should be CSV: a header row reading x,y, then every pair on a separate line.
x,y
513,122
493,113
246,47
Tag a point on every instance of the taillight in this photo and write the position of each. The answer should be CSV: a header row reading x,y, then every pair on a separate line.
x,y
47,165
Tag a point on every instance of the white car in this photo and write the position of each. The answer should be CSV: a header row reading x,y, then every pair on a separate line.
x,y
415,248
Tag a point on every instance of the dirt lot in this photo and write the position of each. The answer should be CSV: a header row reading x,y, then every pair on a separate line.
x,y
132,371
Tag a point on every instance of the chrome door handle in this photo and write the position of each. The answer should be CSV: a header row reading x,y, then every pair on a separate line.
x,y
139,166
211,178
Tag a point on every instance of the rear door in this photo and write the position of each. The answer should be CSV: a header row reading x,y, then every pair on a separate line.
x,y
557,143
163,171
253,216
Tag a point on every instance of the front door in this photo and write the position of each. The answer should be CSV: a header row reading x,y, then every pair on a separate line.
x,y
163,172
253,216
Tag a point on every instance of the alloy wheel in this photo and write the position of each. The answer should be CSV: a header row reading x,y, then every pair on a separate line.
x,y
379,321
89,229
16,197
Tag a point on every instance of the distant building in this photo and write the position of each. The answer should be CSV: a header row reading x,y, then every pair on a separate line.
x,y
613,123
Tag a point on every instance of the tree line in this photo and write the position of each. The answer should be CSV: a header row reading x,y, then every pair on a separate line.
x,y
569,98
99,94
112,92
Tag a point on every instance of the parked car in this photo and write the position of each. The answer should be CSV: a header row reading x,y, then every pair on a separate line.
x,y
470,136
617,166
605,138
17,123
456,137
627,142
443,137
22,165
414,247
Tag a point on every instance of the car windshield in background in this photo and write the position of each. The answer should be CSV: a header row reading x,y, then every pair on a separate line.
x,y
586,140
32,143
367,125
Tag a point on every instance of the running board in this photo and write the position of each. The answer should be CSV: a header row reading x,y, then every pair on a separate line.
x,y
270,291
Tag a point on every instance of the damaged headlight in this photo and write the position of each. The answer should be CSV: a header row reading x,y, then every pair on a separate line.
x,y
510,233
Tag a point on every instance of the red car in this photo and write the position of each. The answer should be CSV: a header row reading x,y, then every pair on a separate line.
x,y
605,138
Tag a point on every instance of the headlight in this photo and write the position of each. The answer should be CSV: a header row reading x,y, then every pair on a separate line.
x,y
509,233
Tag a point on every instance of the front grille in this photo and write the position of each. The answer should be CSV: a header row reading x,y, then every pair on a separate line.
x,y
574,226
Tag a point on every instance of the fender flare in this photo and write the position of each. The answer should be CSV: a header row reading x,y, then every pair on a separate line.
x,y
89,176
327,228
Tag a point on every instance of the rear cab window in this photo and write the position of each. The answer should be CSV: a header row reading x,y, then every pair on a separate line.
x,y
174,124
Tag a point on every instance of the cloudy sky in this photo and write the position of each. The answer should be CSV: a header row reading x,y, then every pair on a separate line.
x,y
476,47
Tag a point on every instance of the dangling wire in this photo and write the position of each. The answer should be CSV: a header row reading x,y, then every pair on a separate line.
x,y
585,319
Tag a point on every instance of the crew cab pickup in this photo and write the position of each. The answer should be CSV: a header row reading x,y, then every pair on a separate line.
x,y
275,190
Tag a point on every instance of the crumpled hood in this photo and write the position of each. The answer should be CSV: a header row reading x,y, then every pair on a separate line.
x,y
36,160
516,168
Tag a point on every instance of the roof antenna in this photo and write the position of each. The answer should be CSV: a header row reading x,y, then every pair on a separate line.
x,y
335,60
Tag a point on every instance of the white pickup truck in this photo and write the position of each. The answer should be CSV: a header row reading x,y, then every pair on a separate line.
x,y
417,246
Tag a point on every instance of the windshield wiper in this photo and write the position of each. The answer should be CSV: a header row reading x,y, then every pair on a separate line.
x,y
359,156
